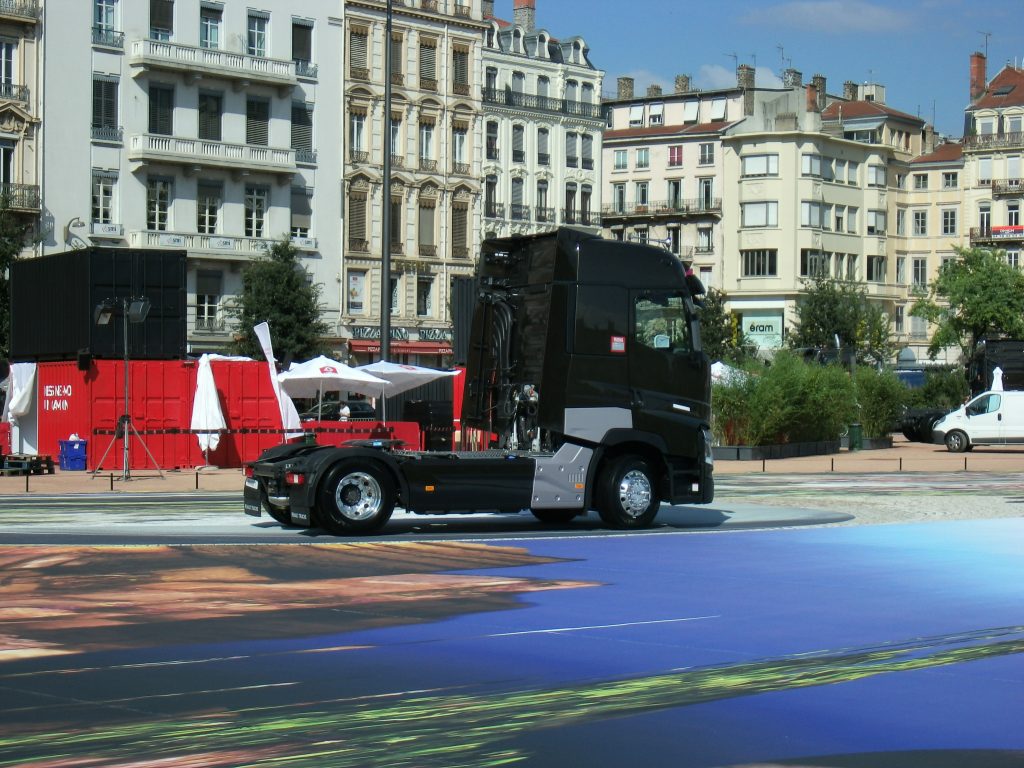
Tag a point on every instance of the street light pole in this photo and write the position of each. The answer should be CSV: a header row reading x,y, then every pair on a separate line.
x,y
385,261
126,416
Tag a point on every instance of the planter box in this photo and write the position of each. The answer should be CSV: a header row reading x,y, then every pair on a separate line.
x,y
868,443
771,452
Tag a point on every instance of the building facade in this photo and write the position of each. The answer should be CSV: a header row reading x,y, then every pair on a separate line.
x,y
543,125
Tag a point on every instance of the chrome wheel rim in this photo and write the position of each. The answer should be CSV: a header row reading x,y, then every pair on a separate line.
x,y
358,496
634,493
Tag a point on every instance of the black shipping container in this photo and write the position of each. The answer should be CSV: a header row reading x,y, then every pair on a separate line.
x,y
463,304
54,298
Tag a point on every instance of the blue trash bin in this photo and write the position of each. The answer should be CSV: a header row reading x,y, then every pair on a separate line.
x,y
72,455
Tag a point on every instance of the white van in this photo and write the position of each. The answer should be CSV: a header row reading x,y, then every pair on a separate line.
x,y
991,418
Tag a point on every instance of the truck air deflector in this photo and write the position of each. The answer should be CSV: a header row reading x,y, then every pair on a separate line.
x,y
559,481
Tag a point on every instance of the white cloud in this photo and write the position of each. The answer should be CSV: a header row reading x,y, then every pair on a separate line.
x,y
839,17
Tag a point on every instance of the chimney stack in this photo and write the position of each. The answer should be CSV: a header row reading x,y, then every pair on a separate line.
x,y
819,85
977,75
682,83
487,7
850,90
812,98
625,88
524,14
792,78
654,90
744,76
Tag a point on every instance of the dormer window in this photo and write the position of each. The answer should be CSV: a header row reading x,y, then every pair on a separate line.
x,y
656,114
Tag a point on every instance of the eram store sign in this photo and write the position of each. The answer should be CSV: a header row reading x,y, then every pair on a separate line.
x,y
763,328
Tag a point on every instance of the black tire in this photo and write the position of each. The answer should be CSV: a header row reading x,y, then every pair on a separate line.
x,y
555,516
627,496
357,496
283,515
956,441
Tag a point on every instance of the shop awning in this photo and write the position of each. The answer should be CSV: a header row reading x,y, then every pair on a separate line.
x,y
403,347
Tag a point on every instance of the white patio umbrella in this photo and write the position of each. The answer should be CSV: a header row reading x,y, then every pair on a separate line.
x,y
401,377
313,377
207,415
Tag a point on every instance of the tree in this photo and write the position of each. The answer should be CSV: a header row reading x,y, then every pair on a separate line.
x,y
974,295
275,289
831,308
14,236
720,334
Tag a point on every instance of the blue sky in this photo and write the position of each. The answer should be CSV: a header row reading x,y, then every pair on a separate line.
x,y
918,49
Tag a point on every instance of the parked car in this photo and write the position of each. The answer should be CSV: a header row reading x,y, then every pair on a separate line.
x,y
331,411
991,418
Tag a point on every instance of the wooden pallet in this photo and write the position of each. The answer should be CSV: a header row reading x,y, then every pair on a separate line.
x,y
27,464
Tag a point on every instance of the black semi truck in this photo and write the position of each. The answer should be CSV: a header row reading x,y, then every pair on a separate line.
x,y
586,372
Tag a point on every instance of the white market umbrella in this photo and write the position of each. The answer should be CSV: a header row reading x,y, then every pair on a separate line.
x,y
207,416
402,378
313,377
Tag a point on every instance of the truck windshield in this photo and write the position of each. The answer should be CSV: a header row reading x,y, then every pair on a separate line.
x,y
662,322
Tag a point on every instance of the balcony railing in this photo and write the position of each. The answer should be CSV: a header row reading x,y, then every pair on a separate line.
x,y
544,215
1007,232
21,197
210,324
460,89
358,156
212,244
358,245
107,134
359,73
397,78
305,156
428,5
428,165
398,161
995,141
1004,187
462,10
511,98
460,169
518,212
13,92
428,84
460,251
218,154
429,251
494,211
692,207
543,158
306,69
20,9
212,62
108,38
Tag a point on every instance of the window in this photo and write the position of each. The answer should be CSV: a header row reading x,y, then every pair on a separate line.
x,y
950,180
543,86
674,241
657,114
424,295
460,71
643,158
396,302
302,47
460,230
397,51
621,160
161,19
208,203
491,196
397,238
813,263
105,15
901,222
760,165
459,134
426,140
571,158
158,204
901,270
840,171
814,215
636,116
984,171
840,218
705,239
210,109
586,192
357,221
356,131
675,193
302,212
256,34
876,222
765,214
707,154
569,213
543,212
491,82
920,181
619,198
641,235
921,272
425,234
760,263
209,27
257,121
492,140
920,223
357,54
1013,123
851,219
1013,259
851,266
1013,214
103,197
587,142
949,223
984,218
104,107
428,65
852,173
161,109
518,144
876,269
302,131
675,156
918,327
900,319
876,175
356,291
208,292
810,165
518,82
642,193
256,200
543,150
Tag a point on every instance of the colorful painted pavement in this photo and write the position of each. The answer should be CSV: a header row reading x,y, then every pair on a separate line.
x,y
860,646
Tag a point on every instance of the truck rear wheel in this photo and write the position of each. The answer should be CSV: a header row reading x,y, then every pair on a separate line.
x,y
357,496
627,497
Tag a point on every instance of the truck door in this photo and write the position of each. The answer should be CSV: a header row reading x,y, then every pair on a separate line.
x,y
668,374
985,419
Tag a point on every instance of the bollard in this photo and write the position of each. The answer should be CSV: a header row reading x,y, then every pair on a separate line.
x,y
111,481
833,463
26,481
763,465
901,463
197,479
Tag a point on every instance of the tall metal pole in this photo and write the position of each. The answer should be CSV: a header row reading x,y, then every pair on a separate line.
x,y
125,417
385,261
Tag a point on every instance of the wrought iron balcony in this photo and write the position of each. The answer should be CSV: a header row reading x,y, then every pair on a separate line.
x,y
428,5
462,11
460,89
216,323
108,38
1013,140
306,69
1007,187
305,156
211,62
19,197
494,211
460,251
428,165
997,234
428,84
152,147
680,207
20,10
358,245
397,78
398,161
359,73
108,134
518,212
12,92
358,156
544,215
461,169
510,98
429,251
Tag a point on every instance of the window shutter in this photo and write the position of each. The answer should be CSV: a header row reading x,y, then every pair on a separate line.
x,y
209,116
161,14
542,141
257,120
396,220
302,127
460,61
302,211
517,191
426,231
543,86
588,146
459,216
357,49
396,54
357,217
161,110
570,91
518,132
428,57
104,104
302,42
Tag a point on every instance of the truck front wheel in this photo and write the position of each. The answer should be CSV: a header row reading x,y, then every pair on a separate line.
x,y
627,497
357,496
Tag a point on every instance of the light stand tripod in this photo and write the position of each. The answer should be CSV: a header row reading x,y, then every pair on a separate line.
x,y
135,311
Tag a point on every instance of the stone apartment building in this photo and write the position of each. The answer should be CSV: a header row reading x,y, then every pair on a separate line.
x,y
543,122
